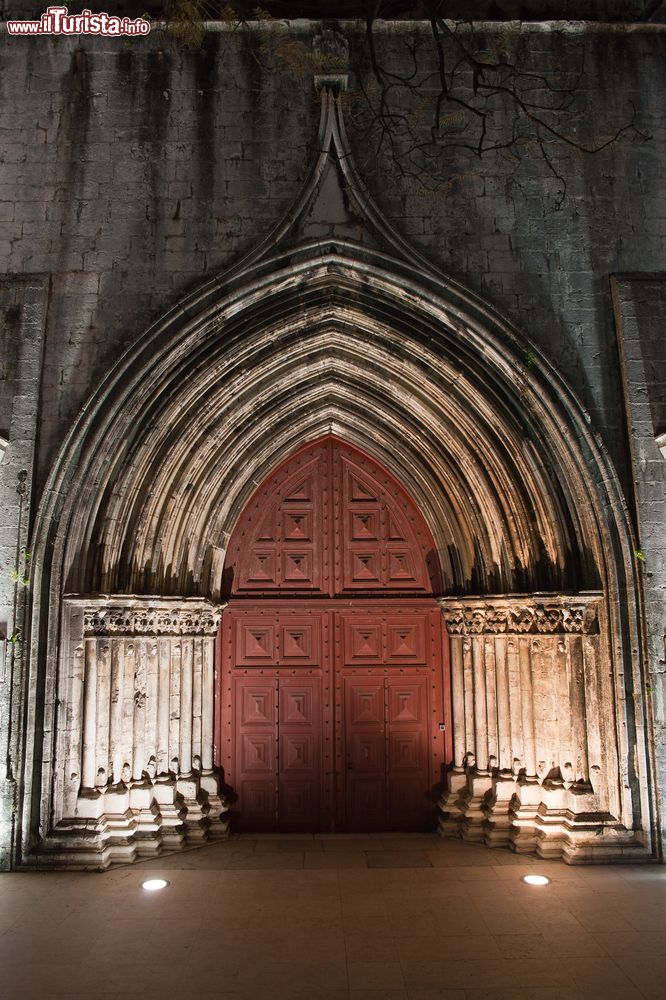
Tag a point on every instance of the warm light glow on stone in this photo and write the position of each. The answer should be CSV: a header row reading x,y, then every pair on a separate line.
x,y
152,884
535,880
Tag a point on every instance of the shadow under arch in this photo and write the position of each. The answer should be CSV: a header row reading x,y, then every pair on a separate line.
x,y
411,393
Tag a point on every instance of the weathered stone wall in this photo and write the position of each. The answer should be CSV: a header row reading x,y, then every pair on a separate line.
x,y
640,304
132,171
130,174
497,224
23,303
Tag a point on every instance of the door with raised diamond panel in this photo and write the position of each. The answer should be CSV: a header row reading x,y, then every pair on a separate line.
x,y
365,754
256,750
409,799
387,755
299,753
278,751
332,699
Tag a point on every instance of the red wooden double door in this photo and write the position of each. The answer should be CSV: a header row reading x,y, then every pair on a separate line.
x,y
333,701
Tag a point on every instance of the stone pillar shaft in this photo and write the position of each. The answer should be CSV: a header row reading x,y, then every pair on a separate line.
x,y
480,704
148,689
88,769
530,727
527,705
509,662
458,700
207,703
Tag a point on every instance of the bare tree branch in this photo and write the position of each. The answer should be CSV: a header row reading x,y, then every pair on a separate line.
x,y
501,102
452,94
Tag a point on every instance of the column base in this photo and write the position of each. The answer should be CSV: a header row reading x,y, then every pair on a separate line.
x,y
530,817
196,807
172,811
497,809
218,816
122,823
451,805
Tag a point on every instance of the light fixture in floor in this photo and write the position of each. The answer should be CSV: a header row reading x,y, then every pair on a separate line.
x,y
152,884
535,880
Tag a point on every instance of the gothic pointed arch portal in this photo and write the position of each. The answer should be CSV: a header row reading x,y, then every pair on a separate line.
x,y
341,330
333,703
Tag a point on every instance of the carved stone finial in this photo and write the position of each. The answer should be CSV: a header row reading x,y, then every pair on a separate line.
x,y
330,57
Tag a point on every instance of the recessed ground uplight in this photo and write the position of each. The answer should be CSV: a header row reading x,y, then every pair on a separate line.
x,y
152,884
535,880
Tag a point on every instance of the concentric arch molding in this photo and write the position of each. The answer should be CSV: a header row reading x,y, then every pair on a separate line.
x,y
316,334
520,615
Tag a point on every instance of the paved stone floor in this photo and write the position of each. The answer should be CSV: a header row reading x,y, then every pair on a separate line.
x,y
386,917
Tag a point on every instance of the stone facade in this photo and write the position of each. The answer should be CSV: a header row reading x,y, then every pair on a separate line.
x,y
295,286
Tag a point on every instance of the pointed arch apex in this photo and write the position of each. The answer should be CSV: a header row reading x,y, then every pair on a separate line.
x,y
350,524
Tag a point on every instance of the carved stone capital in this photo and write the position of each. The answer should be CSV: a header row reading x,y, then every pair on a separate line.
x,y
150,616
552,615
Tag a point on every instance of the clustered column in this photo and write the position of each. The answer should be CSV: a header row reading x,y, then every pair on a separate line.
x,y
528,740
143,673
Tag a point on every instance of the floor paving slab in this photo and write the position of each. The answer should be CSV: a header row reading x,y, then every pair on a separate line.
x,y
316,918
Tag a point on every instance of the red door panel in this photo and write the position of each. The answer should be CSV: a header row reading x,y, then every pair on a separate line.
x,y
329,521
388,763
257,704
256,751
409,783
300,737
381,542
365,703
331,695
365,761
366,804
391,638
278,753
407,702
279,543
